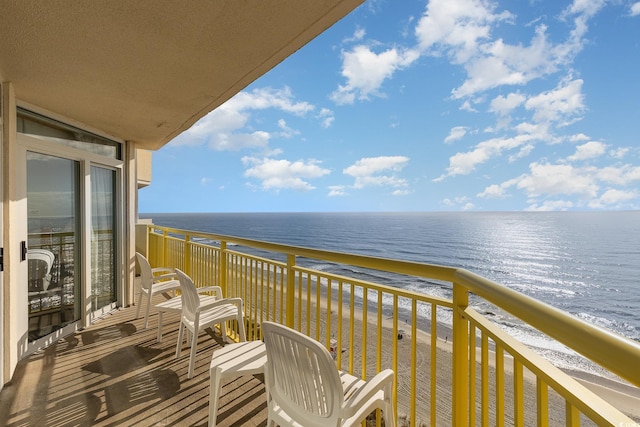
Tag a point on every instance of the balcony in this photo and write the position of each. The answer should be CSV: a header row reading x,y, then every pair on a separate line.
x,y
453,365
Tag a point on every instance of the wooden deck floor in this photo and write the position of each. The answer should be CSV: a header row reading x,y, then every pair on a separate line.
x,y
116,373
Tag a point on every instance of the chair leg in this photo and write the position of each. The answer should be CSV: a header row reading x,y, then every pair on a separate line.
x,y
223,331
387,412
159,326
215,388
243,334
146,317
179,344
192,357
139,304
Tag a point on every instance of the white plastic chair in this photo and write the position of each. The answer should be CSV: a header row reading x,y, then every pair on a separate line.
x,y
305,388
197,316
154,281
40,262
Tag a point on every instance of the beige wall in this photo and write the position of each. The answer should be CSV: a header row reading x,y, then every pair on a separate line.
x,y
144,158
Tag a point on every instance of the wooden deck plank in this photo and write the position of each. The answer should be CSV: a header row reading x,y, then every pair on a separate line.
x,y
116,373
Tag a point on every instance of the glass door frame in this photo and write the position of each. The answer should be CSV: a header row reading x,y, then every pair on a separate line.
x,y
118,231
43,145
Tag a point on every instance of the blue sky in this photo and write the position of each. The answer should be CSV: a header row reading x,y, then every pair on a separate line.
x,y
441,105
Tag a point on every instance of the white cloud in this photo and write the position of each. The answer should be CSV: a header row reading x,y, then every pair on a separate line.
x,y
579,137
618,175
337,190
326,117
262,98
560,105
554,179
589,150
457,27
466,162
366,71
455,134
613,197
551,205
634,10
379,181
462,31
493,191
371,165
503,105
286,131
222,129
545,182
586,8
461,201
204,180
498,63
377,171
282,174
523,152
358,35
619,153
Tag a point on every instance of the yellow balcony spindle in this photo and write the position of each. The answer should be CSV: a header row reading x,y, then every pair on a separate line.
x,y
518,394
499,386
290,293
460,357
542,397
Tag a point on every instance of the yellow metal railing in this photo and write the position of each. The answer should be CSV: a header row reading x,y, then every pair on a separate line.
x,y
481,376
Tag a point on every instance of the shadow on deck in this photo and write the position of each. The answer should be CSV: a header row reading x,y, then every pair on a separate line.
x,y
116,373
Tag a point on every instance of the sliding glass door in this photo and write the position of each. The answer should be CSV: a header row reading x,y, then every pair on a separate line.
x,y
74,211
53,246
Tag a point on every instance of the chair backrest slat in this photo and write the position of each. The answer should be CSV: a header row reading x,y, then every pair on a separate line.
x,y
146,276
190,298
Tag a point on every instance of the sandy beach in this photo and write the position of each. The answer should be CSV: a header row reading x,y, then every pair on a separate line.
x,y
624,397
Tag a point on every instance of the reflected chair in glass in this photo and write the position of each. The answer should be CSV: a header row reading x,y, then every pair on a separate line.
x,y
40,262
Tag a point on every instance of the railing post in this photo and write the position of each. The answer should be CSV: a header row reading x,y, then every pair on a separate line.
x,y
291,291
222,268
165,248
150,245
187,254
460,397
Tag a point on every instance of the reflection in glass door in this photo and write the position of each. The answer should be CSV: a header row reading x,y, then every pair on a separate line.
x,y
54,243
103,238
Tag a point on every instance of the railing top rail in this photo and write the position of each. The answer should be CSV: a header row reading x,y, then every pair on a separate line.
x,y
613,351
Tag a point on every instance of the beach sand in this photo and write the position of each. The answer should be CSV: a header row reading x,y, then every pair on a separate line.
x,y
623,397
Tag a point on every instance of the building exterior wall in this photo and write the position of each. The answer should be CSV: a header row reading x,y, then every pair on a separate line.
x,y
143,166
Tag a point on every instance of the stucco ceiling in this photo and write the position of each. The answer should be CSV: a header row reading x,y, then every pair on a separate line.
x,y
146,70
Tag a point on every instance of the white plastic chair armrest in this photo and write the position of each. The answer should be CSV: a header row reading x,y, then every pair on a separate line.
x,y
162,270
383,379
235,301
217,291
163,277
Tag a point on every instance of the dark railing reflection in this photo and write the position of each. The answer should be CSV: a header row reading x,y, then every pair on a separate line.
x,y
54,307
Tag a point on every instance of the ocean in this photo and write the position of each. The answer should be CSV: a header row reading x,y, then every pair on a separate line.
x,y
585,263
